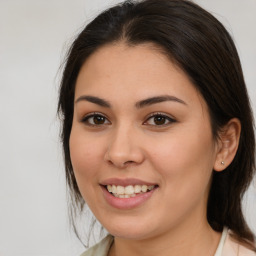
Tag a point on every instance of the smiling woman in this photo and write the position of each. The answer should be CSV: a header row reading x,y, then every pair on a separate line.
x,y
157,131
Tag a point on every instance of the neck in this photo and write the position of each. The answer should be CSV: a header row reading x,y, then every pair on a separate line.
x,y
198,239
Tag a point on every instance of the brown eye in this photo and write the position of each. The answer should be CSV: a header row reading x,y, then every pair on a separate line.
x,y
159,120
95,119
99,119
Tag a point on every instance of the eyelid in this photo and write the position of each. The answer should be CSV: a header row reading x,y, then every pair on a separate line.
x,y
170,118
92,114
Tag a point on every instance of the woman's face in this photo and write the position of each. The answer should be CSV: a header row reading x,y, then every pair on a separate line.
x,y
141,130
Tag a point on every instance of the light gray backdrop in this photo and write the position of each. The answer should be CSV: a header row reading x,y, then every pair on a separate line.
x,y
34,35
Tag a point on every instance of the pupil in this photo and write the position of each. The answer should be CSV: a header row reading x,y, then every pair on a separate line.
x,y
99,119
159,120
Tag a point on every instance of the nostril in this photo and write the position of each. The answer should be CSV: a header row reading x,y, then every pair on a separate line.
x,y
121,164
128,162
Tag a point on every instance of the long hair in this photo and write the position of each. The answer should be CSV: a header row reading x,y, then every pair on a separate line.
x,y
200,45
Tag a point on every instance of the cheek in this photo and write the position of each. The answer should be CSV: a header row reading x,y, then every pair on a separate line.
x,y
186,167
185,159
85,155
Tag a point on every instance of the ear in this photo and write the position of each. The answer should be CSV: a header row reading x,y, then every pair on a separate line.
x,y
228,143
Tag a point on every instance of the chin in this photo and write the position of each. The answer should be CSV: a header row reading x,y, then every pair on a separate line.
x,y
130,234
130,230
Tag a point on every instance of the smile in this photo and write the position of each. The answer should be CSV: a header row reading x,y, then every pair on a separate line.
x,y
128,191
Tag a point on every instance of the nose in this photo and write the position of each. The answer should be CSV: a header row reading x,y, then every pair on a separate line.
x,y
124,148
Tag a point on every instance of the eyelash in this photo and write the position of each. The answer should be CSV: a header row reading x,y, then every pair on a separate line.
x,y
167,119
161,115
93,115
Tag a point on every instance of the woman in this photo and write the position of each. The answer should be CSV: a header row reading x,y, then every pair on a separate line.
x,y
158,131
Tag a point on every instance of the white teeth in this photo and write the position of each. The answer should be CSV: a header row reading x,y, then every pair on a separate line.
x,y
128,191
144,188
113,190
137,188
124,196
120,190
109,187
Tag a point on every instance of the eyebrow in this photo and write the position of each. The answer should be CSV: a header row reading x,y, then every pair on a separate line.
x,y
95,100
140,104
158,99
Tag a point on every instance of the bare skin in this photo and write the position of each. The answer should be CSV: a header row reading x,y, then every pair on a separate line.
x,y
119,132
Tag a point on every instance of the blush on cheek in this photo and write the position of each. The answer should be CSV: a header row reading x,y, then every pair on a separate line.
x,y
85,162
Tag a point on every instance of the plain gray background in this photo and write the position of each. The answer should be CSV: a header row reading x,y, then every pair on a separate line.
x,y
34,36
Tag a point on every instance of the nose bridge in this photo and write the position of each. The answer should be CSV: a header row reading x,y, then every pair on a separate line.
x,y
123,145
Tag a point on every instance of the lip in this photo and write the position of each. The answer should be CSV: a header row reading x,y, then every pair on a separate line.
x,y
126,203
125,182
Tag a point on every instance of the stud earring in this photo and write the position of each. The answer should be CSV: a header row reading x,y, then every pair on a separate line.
x,y
222,162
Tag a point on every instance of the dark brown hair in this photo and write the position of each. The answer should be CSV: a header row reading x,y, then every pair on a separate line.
x,y
200,45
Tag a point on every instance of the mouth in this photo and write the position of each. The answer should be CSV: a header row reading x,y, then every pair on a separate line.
x,y
129,191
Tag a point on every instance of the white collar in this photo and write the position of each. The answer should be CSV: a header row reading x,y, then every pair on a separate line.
x,y
222,241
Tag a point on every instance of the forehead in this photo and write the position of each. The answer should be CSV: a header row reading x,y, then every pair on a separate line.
x,y
125,58
136,71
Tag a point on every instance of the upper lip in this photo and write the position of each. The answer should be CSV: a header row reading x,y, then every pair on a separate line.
x,y
125,182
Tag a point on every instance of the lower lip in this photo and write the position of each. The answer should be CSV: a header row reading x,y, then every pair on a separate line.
x,y
126,203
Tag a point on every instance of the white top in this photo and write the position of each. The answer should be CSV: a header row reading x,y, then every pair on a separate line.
x,y
221,243
227,247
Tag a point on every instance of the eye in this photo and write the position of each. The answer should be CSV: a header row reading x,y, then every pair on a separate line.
x,y
95,119
159,119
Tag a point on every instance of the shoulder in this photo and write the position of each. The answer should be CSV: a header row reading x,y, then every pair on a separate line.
x,y
100,249
234,248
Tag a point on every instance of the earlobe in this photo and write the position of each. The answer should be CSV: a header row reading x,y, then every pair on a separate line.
x,y
228,144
